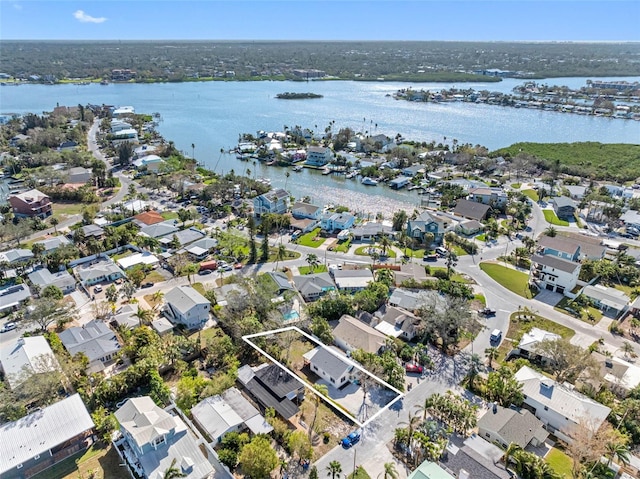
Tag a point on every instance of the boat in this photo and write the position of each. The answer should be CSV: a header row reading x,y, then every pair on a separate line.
x,y
326,171
265,181
351,175
369,181
297,168
271,163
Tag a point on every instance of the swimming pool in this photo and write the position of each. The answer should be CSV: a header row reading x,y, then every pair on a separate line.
x,y
291,316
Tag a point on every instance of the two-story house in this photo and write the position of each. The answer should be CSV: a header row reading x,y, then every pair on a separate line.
x,y
337,221
560,407
319,155
564,207
494,197
152,439
95,340
553,273
428,222
301,210
31,204
129,135
275,201
184,305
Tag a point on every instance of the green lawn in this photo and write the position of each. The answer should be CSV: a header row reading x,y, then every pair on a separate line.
x,y
560,462
199,287
516,186
307,269
454,276
104,461
364,251
169,215
311,239
481,237
458,251
533,194
67,209
359,473
563,306
515,281
480,298
521,323
342,247
551,217
413,253
153,277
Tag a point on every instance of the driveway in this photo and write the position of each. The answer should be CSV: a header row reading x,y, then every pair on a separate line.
x,y
549,297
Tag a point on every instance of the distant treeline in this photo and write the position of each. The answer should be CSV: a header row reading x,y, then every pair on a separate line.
x,y
410,61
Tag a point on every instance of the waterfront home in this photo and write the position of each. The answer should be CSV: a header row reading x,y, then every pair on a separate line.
x,y
337,221
351,334
144,150
399,182
275,201
22,357
152,439
129,135
301,210
151,163
45,437
95,340
428,222
507,426
31,204
413,170
13,297
227,412
119,125
371,231
273,387
98,271
610,301
184,305
62,279
329,366
552,273
560,407
120,111
352,280
319,155
471,210
313,286
564,207
494,197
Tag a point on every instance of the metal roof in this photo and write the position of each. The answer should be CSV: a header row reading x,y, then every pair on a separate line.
x,y
328,362
555,262
184,298
32,353
41,431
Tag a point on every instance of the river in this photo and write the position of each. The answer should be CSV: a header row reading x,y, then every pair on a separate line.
x,y
211,115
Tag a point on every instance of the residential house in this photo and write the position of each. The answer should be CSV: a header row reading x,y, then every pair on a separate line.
x,y
183,237
31,204
129,135
102,270
202,248
301,210
505,426
352,280
157,230
12,297
52,244
92,231
143,150
429,222
16,256
371,231
273,387
337,221
152,439
494,197
472,210
351,334
18,140
184,305
396,322
560,407
147,218
411,300
121,111
413,170
612,302
313,286
227,412
329,366
45,437
151,163
62,279
275,201
280,281
554,274
125,316
24,356
119,125
409,271
430,470
399,182
79,174
145,259
619,376
95,340
527,347
319,155
564,207
631,218
470,227
576,192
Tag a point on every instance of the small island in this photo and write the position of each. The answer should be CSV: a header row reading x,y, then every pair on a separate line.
x,y
297,96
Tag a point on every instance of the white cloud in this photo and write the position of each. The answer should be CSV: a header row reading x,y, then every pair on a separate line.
x,y
84,18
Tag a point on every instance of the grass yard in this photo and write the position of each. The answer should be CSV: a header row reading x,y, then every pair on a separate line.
x,y
533,194
560,462
458,251
515,281
482,237
307,269
199,287
480,298
311,239
551,217
342,247
153,277
564,307
359,473
105,462
364,251
67,209
516,186
454,276
169,215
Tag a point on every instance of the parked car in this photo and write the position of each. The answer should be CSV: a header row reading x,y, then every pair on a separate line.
x,y
496,336
413,368
8,327
430,257
351,440
440,251
204,272
97,289
146,285
237,266
487,312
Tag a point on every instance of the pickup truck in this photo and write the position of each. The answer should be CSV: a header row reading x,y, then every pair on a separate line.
x,y
487,312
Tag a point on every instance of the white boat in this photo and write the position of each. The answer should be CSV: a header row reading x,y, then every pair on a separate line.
x,y
326,171
297,168
369,181
265,181
351,175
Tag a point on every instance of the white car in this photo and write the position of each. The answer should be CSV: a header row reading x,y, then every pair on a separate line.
x,y
8,327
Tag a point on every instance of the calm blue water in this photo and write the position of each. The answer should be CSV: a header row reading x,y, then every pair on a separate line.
x,y
212,115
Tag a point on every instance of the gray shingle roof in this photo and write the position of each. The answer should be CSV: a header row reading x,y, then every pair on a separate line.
x,y
94,339
555,262
183,298
513,426
329,362
471,209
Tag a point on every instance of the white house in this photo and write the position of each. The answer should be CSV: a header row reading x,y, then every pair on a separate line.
x,y
560,407
505,426
554,274
318,155
22,356
186,306
352,280
130,135
95,340
329,366
531,340
489,196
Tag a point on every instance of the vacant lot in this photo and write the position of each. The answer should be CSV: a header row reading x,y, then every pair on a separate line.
x,y
105,462
551,217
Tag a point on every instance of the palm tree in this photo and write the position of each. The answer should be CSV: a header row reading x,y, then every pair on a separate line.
x,y
144,315
173,472
384,275
385,244
281,254
473,370
313,262
157,299
491,354
551,232
512,449
626,348
619,451
390,471
414,422
321,389
55,222
193,151
334,469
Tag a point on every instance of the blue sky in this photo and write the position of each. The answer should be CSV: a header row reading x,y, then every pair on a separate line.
x,y
516,20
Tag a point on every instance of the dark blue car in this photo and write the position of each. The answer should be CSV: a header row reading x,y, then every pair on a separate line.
x,y
350,440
